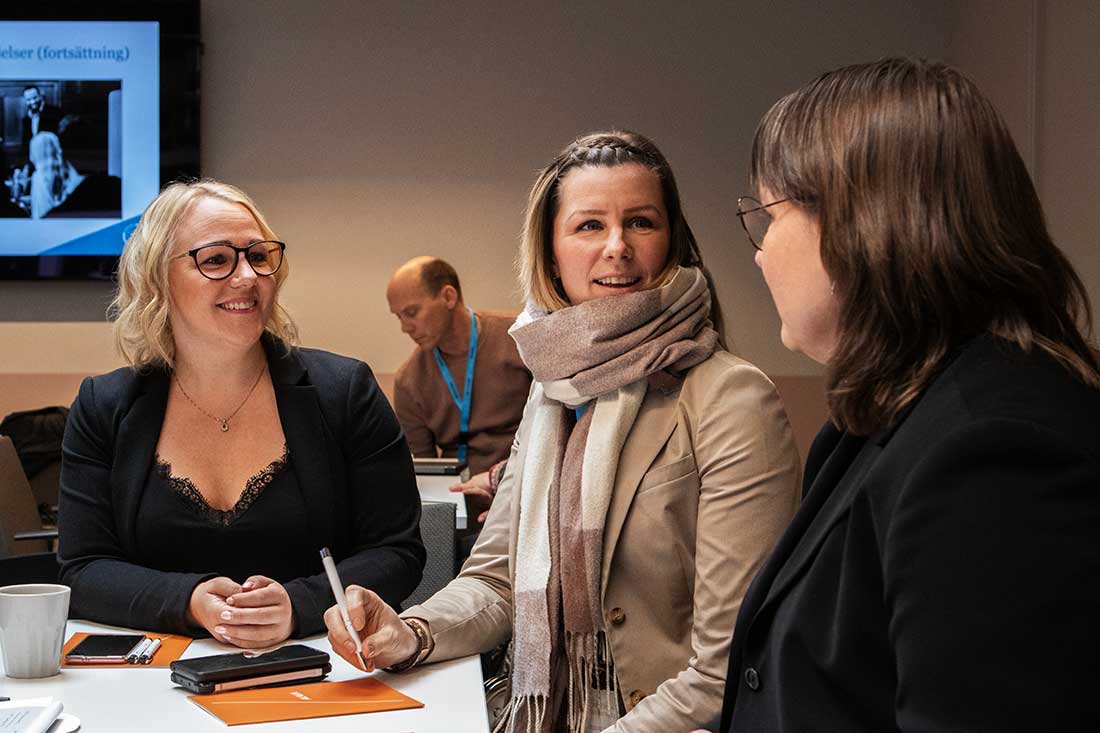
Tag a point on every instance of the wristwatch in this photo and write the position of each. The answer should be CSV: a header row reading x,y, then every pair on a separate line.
x,y
496,473
425,644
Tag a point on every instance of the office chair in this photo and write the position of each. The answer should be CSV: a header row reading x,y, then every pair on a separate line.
x,y
437,530
18,511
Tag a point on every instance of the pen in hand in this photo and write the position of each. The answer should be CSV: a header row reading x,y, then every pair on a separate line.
x,y
342,603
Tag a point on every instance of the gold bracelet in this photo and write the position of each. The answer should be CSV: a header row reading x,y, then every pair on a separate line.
x,y
423,649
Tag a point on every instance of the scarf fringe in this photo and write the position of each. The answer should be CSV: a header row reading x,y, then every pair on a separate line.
x,y
589,662
532,708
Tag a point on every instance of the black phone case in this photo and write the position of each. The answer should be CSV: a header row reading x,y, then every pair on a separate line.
x,y
206,688
225,667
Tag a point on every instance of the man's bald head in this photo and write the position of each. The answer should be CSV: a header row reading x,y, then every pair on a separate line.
x,y
423,294
431,273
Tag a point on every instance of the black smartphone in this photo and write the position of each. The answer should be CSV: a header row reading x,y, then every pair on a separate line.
x,y
104,649
220,672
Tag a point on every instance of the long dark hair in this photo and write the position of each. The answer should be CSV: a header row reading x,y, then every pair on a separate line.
x,y
931,230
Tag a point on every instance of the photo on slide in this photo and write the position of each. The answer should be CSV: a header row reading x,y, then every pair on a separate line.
x,y
61,149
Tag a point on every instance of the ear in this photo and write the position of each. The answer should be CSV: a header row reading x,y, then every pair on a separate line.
x,y
450,296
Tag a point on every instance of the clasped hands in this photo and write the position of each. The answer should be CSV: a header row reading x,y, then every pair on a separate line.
x,y
253,614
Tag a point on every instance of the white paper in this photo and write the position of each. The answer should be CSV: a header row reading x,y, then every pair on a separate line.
x,y
438,488
32,715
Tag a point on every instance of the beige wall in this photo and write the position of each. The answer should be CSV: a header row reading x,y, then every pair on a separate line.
x,y
1042,70
1068,139
372,132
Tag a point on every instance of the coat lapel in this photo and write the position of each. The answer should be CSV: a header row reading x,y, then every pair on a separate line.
x,y
308,439
134,447
651,430
828,498
135,444
828,494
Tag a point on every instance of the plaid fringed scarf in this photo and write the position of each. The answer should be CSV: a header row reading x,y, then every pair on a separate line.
x,y
603,350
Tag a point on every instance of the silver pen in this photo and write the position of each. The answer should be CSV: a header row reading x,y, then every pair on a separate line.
x,y
342,603
146,655
135,654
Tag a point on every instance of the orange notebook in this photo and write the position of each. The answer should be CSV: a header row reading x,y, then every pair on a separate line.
x,y
300,702
171,649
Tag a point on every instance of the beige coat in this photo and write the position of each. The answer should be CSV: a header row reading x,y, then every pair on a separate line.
x,y
707,481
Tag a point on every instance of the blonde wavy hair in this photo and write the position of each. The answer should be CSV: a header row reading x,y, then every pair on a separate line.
x,y
142,331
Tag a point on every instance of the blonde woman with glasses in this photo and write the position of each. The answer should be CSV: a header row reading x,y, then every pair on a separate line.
x,y
198,482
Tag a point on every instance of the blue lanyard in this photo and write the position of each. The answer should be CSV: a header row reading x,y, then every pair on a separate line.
x,y
463,403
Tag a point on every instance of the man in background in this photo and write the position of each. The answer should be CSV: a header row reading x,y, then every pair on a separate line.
x,y
39,117
461,393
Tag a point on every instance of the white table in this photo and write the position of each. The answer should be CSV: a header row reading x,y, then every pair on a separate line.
x,y
438,488
110,700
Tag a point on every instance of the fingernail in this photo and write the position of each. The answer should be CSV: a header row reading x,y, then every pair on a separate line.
x,y
226,616
248,585
219,630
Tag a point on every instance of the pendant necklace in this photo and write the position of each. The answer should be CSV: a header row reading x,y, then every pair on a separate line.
x,y
223,421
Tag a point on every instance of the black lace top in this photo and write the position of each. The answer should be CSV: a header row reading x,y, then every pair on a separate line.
x,y
264,533
252,489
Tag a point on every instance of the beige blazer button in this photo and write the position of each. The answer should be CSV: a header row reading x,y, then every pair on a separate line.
x,y
636,697
616,616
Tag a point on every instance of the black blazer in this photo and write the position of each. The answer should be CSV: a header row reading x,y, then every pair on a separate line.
x,y
349,456
48,120
940,576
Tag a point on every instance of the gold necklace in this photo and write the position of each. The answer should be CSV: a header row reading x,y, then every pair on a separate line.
x,y
223,420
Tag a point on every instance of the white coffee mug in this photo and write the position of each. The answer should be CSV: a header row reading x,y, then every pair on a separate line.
x,y
32,628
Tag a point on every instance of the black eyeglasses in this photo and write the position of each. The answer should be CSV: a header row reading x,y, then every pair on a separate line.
x,y
755,218
219,260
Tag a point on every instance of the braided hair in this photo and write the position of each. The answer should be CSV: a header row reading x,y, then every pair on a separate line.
x,y
600,149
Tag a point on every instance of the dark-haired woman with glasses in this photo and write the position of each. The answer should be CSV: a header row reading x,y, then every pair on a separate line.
x,y
199,482
941,573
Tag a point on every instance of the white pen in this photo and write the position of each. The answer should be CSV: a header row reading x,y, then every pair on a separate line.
x,y
146,655
134,657
342,601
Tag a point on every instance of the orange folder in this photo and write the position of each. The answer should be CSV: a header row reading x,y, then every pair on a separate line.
x,y
300,702
171,649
